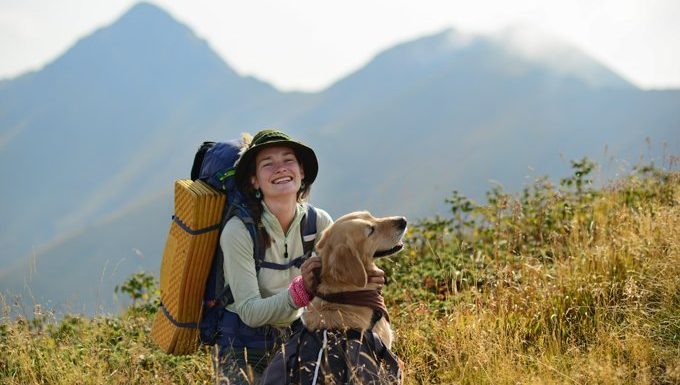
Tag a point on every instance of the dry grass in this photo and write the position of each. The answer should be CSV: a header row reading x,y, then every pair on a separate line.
x,y
599,305
80,350
559,286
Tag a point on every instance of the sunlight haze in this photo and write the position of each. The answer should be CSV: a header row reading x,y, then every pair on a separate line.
x,y
307,45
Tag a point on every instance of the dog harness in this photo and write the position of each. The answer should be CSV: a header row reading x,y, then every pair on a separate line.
x,y
343,356
333,357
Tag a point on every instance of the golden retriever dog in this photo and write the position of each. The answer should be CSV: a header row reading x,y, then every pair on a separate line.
x,y
347,335
348,250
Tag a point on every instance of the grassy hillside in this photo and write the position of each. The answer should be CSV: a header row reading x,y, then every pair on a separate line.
x,y
562,284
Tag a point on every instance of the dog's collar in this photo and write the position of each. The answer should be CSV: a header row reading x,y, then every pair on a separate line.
x,y
367,298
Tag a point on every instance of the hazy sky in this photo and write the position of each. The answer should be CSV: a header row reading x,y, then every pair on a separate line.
x,y
308,44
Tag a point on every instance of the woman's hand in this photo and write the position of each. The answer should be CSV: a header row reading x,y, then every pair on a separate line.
x,y
311,270
377,276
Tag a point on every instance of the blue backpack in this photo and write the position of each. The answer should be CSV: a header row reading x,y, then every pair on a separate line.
x,y
214,164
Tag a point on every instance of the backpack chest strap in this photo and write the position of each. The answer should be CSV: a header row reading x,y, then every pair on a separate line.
x,y
297,262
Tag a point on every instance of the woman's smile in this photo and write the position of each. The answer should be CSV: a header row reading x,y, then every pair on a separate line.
x,y
277,172
282,180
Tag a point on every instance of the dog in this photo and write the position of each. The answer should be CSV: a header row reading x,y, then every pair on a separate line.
x,y
347,336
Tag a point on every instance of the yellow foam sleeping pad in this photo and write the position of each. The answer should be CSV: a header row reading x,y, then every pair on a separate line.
x,y
187,257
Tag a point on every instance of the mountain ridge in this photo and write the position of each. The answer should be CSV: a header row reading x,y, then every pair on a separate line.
x,y
99,93
444,112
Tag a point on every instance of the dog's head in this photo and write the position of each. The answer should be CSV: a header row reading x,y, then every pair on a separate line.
x,y
350,245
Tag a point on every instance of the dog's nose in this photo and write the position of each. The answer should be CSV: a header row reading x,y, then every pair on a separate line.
x,y
401,223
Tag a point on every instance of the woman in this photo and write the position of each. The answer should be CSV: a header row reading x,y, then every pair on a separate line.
x,y
275,174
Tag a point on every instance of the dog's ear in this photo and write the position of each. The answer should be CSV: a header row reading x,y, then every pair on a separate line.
x,y
345,265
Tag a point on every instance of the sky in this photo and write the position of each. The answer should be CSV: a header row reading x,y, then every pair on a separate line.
x,y
307,45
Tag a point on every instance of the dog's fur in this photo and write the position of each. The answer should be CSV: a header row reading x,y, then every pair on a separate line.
x,y
347,249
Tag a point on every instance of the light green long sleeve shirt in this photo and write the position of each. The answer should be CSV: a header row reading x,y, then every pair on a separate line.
x,y
264,299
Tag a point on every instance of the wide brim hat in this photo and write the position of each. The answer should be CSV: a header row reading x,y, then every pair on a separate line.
x,y
272,137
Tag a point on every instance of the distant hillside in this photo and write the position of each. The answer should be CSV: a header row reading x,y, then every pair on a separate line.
x,y
450,111
92,142
109,122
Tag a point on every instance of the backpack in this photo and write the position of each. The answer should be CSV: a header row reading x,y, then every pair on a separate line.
x,y
214,165
333,357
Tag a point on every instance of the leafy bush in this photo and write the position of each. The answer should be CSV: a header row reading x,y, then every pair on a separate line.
x,y
562,283
143,290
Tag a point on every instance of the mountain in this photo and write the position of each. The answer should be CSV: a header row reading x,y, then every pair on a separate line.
x,y
92,142
542,49
451,111
118,104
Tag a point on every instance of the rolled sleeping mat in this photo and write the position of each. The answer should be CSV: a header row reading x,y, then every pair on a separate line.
x,y
187,257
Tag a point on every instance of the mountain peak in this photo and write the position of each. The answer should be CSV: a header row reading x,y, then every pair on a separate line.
x,y
538,46
146,6
145,12
452,38
145,42
144,17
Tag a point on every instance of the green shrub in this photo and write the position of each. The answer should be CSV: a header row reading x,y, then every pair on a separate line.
x,y
560,284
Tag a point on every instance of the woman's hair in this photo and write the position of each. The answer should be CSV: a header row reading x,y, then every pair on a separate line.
x,y
255,205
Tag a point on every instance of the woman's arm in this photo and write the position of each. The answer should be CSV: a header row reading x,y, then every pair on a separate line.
x,y
241,276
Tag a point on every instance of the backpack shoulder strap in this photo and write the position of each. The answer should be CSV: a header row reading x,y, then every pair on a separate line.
x,y
258,251
308,235
215,285
308,231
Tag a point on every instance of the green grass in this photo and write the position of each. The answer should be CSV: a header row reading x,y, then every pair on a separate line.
x,y
561,284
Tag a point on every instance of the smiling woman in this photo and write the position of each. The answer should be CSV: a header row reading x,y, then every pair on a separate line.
x,y
275,174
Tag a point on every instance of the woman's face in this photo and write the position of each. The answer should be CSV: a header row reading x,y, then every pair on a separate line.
x,y
277,172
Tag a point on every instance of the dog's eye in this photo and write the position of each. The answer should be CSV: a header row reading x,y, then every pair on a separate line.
x,y
371,229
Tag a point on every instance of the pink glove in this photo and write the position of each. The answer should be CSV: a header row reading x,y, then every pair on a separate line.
x,y
301,297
